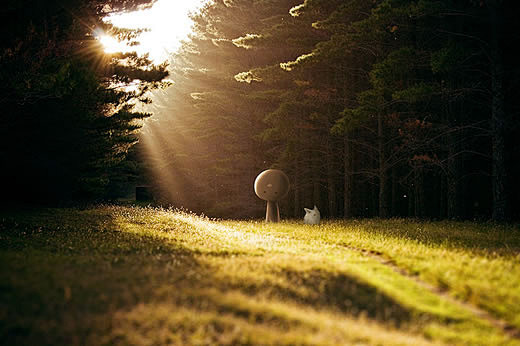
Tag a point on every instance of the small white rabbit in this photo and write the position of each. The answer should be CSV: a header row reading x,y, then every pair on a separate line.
x,y
312,216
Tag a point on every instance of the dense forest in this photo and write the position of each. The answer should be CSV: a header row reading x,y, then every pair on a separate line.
x,y
68,122
385,108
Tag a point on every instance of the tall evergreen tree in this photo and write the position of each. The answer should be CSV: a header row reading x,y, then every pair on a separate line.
x,y
379,108
67,122
216,152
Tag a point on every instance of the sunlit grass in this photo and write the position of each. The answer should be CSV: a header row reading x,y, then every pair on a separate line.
x,y
142,276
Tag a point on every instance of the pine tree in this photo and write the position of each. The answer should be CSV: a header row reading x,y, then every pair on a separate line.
x,y
67,124
216,152
382,107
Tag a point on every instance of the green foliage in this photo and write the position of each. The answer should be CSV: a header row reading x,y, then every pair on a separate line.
x,y
68,121
414,94
396,69
447,59
367,105
226,84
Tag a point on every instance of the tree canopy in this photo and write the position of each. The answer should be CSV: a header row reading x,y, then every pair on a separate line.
x,y
382,108
68,121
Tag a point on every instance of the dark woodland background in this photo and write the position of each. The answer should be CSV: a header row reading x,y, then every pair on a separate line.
x,y
384,108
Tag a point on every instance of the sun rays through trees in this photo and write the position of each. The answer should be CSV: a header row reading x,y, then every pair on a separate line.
x,y
68,118
381,108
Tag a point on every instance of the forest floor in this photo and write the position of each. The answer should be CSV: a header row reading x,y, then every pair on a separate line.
x,y
112,275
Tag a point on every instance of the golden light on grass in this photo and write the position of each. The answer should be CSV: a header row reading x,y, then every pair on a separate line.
x,y
204,281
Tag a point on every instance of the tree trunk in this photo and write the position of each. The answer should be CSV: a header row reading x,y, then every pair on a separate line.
x,y
498,117
373,203
382,174
411,201
442,197
454,172
394,200
452,196
296,187
347,175
419,192
316,182
331,185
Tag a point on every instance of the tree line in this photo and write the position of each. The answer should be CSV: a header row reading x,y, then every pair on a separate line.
x,y
68,122
384,108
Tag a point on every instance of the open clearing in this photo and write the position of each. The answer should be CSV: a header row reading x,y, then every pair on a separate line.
x,y
143,276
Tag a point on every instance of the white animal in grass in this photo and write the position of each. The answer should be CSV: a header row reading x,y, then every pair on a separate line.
x,y
312,216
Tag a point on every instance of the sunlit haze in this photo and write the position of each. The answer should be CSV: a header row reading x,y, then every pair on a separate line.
x,y
167,21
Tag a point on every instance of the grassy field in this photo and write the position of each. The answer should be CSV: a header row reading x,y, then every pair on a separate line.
x,y
114,275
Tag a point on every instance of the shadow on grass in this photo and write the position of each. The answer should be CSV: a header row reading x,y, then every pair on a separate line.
x,y
346,294
64,275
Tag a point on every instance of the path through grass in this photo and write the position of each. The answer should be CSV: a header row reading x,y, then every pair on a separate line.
x,y
142,276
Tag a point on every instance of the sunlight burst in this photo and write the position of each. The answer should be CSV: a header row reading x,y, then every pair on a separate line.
x,y
112,45
167,23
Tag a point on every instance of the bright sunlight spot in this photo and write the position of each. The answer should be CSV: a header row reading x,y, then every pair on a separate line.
x,y
167,24
111,45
